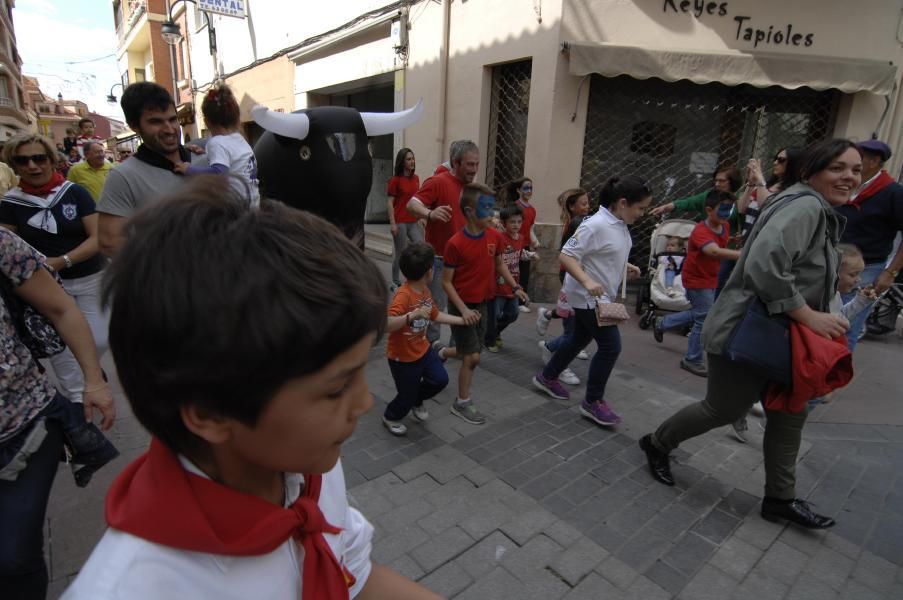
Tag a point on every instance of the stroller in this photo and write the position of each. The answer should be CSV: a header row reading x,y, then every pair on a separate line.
x,y
889,307
654,293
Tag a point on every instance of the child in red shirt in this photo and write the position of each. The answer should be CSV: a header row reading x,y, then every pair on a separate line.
x,y
705,251
505,306
473,260
416,368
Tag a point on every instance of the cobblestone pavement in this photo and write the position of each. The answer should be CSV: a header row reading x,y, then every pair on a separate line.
x,y
541,503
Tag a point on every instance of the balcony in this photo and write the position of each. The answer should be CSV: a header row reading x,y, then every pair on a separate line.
x,y
7,102
136,9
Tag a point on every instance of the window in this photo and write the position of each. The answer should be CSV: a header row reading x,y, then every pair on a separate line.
x,y
140,75
509,105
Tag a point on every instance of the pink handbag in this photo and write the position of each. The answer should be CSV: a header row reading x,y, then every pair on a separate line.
x,y
613,313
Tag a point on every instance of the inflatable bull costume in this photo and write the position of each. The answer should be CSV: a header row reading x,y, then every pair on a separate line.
x,y
318,159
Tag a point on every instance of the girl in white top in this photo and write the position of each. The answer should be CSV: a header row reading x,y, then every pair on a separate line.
x,y
227,151
595,259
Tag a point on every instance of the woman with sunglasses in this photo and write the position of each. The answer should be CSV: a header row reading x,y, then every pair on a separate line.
x,y
58,218
785,172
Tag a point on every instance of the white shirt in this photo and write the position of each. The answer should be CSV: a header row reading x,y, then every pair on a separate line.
x,y
232,151
123,566
601,244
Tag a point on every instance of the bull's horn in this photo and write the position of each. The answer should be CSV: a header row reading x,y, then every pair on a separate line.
x,y
383,123
293,125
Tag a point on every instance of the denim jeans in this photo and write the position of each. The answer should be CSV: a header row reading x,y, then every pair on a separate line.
x,y
568,325
407,233
608,343
700,303
440,299
415,382
869,275
504,312
86,293
23,505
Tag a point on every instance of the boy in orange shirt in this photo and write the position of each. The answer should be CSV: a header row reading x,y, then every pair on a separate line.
x,y
415,366
473,260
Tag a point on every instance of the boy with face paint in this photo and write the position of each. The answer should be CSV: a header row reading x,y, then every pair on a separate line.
x,y
705,251
473,261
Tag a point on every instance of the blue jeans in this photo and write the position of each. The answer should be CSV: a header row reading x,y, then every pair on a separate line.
x,y
568,325
504,312
608,343
869,275
700,303
23,505
440,298
415,382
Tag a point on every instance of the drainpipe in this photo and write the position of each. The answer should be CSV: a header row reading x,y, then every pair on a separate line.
x,y
443,80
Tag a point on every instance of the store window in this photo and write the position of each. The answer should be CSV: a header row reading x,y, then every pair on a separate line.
x,y
508,110
674,135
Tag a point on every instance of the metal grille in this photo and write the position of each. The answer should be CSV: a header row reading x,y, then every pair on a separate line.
x,y
508,108
675,134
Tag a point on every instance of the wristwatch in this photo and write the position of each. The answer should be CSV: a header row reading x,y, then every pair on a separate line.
x,y
66,260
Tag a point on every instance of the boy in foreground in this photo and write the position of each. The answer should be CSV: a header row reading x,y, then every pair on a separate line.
x,y
473,260
246,365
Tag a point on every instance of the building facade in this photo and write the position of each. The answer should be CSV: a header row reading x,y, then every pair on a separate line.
x,y
141,51
572,92
14,117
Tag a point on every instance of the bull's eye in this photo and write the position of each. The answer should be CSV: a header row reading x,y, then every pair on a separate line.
x,y
304,152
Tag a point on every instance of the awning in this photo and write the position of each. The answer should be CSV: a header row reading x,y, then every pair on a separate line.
x,y
733,68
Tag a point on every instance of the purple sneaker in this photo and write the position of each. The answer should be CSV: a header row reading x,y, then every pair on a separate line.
x,y
551,387
599,412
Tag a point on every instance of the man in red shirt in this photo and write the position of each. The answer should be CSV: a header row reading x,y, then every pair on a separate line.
x,y
438,202
705,251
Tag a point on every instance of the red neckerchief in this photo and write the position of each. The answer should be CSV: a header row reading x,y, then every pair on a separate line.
x,y
878,183
156,499
56,180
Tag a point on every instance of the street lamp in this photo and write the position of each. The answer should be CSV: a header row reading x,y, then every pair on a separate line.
x,y
172,33
111,98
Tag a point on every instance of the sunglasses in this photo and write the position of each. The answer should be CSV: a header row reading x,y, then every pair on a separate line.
x,y
780,159
38,159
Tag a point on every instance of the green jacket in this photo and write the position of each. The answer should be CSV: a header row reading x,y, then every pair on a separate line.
x,y
787,265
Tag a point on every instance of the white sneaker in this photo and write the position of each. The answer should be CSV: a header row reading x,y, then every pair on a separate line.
x,y
546,353
569,377
524,308
756,410
582,355
420,413
395,427
543,318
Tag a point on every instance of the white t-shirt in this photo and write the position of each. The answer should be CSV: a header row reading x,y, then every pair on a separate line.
x,y
233,152
601,244
123,566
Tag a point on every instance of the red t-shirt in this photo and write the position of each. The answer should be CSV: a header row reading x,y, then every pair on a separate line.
x,y
700,271
409,343
511,253
529,219
402,188
473,259
442,190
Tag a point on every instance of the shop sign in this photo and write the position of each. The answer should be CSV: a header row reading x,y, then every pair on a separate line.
x,y
229,8
748,28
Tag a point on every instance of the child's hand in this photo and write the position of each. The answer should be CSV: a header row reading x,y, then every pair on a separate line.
x,y
633,271
471,317
869,292
523,296
181,168
423,312
194,149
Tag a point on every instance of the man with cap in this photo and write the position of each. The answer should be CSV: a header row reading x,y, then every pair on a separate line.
x,y
874,216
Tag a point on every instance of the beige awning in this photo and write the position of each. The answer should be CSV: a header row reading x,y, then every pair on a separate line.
x,y
733,68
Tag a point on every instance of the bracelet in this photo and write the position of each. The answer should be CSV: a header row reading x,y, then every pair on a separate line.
x,y
96,388
66,260
429,215
516,288
893,272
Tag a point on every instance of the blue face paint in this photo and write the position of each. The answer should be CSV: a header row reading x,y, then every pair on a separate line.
x,y
485,206
724,210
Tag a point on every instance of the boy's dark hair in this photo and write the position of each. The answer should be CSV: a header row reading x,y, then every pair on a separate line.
x,y
84,120
511,210
244,301
220,107
143,95
471,193
716,197
416,259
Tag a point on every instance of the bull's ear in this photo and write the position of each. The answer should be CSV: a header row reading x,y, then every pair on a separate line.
x,y
383,123
292,125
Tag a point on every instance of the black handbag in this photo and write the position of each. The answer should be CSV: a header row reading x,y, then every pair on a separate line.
x,y
35,330
760,340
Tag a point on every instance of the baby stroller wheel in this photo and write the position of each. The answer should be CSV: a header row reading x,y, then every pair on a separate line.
x,y
646,320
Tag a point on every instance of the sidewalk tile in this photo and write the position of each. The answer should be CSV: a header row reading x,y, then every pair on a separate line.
x,y
709,584
617,572
594,587
737,558
578,560
486,555
527,524
668,578
808,587
448,580
442,548
537,553
497,585
782,562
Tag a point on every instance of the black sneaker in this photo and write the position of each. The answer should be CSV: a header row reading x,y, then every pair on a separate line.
x,y
795,511
657,332
697,369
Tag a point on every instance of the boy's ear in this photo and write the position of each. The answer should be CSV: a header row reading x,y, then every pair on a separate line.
x,y
209,426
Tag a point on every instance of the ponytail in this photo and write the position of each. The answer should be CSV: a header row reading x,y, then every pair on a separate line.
x,y
631,188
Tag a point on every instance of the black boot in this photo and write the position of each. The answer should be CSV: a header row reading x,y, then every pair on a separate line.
x,y
659,463
796,511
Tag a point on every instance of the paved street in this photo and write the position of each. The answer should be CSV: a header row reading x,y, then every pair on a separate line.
x,y
541,503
